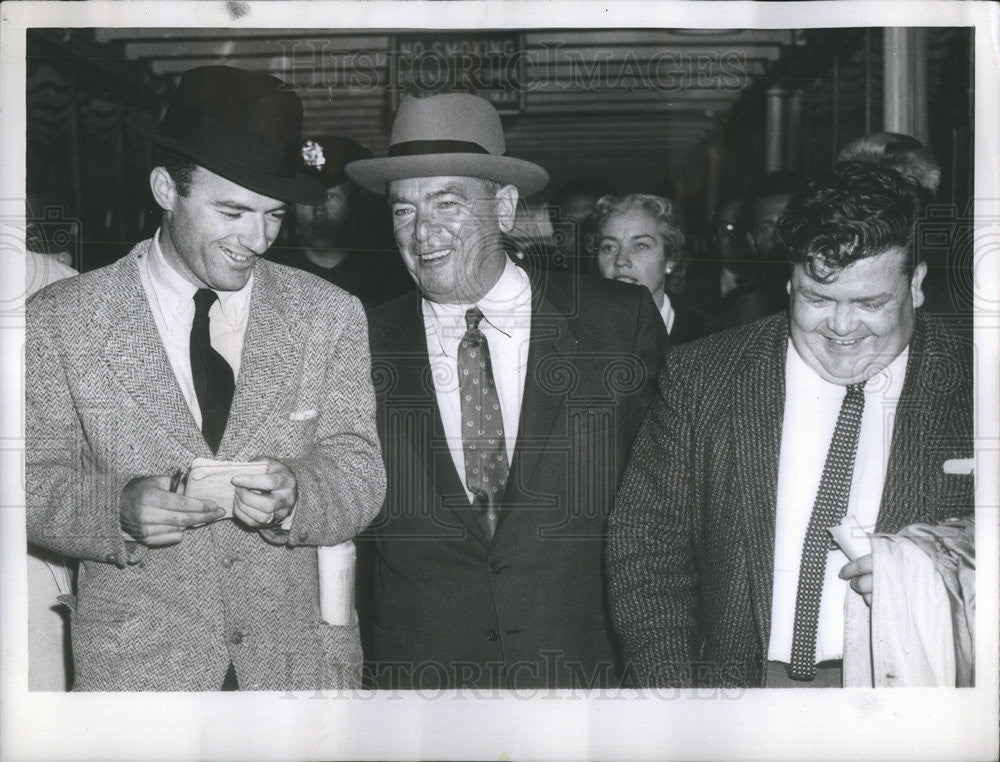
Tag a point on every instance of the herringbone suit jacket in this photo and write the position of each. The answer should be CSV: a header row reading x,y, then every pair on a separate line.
x,y
691,538
454,609
104,407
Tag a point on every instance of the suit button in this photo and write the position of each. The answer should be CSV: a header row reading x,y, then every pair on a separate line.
x,y
227,562
111,558
495,567
303,535
236,637
493,635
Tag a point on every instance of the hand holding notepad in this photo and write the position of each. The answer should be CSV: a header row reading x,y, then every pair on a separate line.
x,y
209,479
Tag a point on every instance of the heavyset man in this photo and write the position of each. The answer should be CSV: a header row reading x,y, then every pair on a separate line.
x,y
721,569
506,406
193,346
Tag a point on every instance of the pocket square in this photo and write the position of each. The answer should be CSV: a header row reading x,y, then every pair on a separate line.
x,y
960,466
301,415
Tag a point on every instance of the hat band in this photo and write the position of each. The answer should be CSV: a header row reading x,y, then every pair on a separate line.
x,y
423,147
227,141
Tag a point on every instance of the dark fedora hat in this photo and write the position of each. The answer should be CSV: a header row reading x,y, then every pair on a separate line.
x,y
450,134
242,125
324,157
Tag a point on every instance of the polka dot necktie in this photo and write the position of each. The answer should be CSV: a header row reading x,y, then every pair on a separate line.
x,y
829,510
483,440
212,375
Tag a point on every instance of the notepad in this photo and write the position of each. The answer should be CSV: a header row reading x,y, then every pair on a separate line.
x,y
209,479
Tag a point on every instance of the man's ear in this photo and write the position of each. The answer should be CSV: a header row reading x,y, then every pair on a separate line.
x,y
506,207
164,188
917,284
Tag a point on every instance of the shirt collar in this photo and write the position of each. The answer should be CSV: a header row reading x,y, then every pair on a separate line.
x,y
888,382
175,293
501,304
667,313
504,306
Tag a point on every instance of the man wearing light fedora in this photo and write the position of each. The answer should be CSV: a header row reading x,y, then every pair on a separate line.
x,y
507,401
193,346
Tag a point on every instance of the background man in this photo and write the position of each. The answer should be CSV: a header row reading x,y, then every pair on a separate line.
x,y
720,567
753,287
193,346
345,239
506,407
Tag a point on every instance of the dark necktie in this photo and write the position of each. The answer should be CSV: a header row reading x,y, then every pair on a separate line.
x,y
829,510
483,440
212,375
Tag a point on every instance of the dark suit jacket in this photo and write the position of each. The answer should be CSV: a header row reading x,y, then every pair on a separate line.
x,y
691,539
689,324
527,609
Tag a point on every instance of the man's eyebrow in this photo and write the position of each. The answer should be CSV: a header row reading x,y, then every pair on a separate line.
x,y
449,190
884,296
642,235
238,207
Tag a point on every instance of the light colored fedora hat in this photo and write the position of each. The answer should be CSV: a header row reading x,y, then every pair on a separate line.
x,y
447,135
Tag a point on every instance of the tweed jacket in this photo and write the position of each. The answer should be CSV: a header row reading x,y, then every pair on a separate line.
x,y
103,407
454,609
691,539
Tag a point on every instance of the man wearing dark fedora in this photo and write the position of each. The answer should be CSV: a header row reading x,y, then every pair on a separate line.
x,y
507,401
193,346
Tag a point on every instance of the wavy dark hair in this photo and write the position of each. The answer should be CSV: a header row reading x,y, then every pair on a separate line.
x,y
850,212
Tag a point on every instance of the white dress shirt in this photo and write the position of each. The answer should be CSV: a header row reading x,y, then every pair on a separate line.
x,y
667,313
812,405
506,325
171,300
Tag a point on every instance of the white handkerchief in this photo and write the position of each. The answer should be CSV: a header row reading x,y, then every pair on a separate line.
x,y
960,466
301,415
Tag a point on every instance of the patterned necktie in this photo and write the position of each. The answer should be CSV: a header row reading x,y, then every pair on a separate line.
x,y
483,440
212,375
829,510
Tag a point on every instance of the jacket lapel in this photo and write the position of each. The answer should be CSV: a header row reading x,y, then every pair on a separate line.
x,y
926,407
134,355
274,329
552,344
757,412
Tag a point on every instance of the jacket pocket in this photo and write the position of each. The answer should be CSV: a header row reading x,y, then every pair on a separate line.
x,y
95,608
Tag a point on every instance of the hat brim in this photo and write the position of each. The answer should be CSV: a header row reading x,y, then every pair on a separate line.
x,y
375,174
298,189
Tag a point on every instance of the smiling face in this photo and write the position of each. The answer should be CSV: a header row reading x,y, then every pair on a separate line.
x,y
448,232
630,248
213,234
853,326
